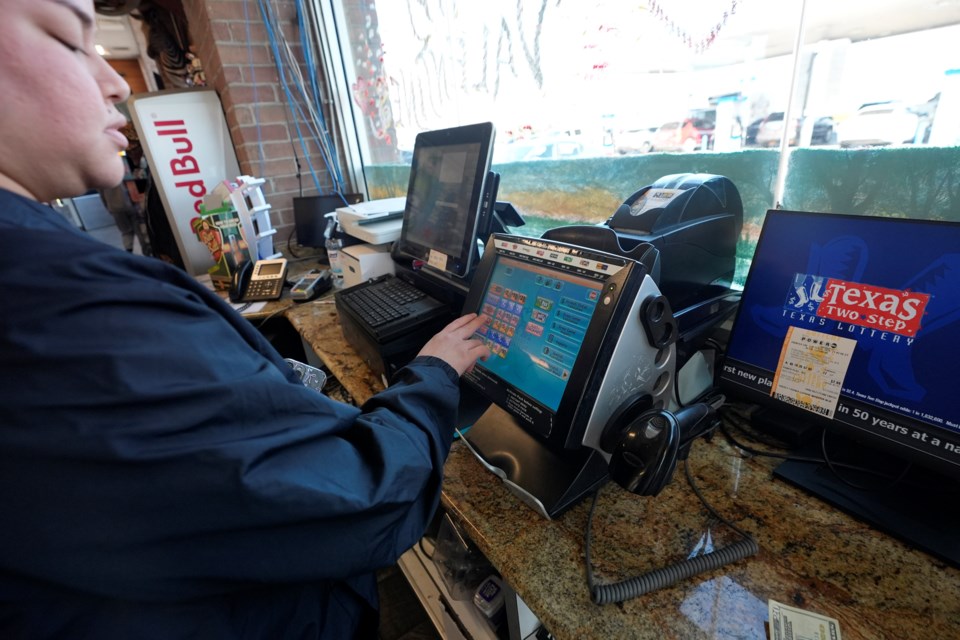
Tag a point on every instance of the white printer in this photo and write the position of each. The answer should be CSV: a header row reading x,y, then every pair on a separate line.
x,y
376,221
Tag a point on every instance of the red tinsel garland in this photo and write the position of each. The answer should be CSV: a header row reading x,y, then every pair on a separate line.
x,y
698,45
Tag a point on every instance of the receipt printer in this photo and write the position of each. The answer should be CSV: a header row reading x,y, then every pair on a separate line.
x,y
694,222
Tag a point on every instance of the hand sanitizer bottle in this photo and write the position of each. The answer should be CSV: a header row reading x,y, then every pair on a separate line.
x,y
333,246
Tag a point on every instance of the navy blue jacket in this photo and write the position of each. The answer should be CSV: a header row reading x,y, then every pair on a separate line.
x,y
163,474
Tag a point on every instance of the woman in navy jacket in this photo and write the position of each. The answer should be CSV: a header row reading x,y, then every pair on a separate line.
x,y
163,473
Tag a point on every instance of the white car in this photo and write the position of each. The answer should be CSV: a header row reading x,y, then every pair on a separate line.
x,y
880,123
638,140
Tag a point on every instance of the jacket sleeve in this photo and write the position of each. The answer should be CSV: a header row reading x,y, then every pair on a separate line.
x,y
153,447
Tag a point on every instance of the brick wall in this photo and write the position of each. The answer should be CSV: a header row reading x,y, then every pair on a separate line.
x,y
231,40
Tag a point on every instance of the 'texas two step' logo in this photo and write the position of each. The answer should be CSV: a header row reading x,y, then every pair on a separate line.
x,y
893,310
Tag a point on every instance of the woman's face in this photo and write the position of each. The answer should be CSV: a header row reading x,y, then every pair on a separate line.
x,y
60,131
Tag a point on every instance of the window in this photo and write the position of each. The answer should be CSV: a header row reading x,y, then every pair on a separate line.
x,y
594,100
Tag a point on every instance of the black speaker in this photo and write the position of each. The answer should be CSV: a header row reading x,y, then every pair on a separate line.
x,y
308,212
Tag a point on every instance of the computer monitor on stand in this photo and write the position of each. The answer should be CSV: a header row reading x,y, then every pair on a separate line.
x,y
450,206
450,203
849,326
574,333
597,337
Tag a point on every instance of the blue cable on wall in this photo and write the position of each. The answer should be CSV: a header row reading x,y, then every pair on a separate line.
x,y
281,72
308,48
253,80
315,116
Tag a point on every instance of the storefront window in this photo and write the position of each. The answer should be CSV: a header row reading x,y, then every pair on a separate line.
x,y
593,101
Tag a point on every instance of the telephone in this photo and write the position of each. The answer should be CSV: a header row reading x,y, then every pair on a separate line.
x,y
262,280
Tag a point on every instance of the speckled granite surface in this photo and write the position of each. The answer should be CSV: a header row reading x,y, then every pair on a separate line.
x,y
318,324
811,555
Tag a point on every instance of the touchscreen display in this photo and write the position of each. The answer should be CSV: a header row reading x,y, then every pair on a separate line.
x,y
439,202
445,196
536,322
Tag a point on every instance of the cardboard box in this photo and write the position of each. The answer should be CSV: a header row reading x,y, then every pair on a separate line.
x,y
361,262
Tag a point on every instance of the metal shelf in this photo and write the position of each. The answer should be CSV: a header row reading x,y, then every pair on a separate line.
x,y
453,619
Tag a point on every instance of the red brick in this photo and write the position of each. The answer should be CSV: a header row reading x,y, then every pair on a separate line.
x,y
239,32
231,10
220,32
242,54
280,167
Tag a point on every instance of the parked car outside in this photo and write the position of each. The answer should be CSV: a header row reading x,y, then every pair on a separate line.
x,y
879,123
626,141
824,131
770,131
766,131
688,135
750,133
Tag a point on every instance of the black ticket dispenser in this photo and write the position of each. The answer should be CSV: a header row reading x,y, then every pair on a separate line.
x,y
694,221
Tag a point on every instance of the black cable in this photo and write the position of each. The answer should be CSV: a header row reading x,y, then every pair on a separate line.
x,y
792,458
741,419
423,550
741,424
758,452
676,386
707,505
836,472
290,242
713,344
669,575
296,159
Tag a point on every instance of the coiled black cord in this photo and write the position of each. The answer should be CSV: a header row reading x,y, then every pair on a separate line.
x,y
666,576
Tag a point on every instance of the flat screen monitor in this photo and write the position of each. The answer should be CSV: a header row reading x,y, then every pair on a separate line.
x,y
446,197
575,334
309,215
549,308
852,324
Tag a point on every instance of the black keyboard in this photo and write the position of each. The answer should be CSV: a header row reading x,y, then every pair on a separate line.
x,y
388,306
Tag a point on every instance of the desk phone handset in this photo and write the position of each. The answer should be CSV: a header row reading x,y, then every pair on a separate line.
x,y
260,280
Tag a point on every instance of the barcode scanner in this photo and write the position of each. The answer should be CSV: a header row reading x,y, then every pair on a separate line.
x,y
645,456
644,451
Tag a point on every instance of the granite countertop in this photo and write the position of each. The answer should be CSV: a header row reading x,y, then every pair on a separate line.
x,y
318,324
811,556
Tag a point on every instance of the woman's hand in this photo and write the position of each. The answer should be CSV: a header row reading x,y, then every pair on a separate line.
x,y
456,345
